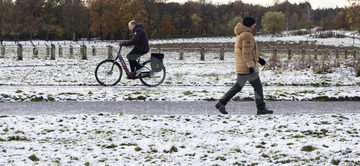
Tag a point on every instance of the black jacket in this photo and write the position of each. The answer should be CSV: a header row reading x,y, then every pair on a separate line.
x,y
139,40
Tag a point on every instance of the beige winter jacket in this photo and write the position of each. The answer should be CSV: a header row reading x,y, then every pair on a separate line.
x,y
246,53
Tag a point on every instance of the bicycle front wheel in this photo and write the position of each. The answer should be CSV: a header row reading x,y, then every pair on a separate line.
x,y
108,73
150,78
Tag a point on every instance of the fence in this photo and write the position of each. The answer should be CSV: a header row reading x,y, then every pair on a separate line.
x,y
51,51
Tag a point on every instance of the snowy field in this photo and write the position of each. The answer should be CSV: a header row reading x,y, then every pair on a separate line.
x,y
121,139
37,79
118,139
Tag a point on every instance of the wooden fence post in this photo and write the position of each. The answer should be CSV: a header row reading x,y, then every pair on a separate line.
x,y
202,54
93,50
222,53
47,50
274,53
2,51
110,50
35,51
60,51
19,52
84,52
315,54
52,52
346,54
289,53
181,54
326,56
303,54
337,53
354,54
71,50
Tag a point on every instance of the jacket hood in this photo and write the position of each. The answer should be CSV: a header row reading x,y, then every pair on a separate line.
x,y
138,26
240,28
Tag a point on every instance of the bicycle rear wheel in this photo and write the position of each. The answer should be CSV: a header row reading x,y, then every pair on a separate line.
x,y
108,73
150,78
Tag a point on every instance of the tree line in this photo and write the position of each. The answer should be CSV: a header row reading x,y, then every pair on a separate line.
x,y
108,19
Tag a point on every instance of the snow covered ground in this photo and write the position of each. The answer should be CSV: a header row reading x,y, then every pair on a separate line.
x,y
121,139
34,79
118,139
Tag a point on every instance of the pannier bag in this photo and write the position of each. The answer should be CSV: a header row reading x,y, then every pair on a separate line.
x,y
157,62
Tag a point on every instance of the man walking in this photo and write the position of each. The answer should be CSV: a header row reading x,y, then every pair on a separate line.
x,y
247,67
141,46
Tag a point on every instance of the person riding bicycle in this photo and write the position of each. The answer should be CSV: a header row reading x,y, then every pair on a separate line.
x,y
141,46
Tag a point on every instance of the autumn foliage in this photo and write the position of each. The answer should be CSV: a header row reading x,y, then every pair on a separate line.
x,y
107,19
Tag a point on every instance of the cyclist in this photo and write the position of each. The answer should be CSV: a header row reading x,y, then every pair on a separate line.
x,y
141,46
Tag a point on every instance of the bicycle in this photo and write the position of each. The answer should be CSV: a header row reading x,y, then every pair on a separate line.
x,y
109,72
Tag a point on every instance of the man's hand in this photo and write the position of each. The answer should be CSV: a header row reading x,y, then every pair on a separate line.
x,y
262,61
251,70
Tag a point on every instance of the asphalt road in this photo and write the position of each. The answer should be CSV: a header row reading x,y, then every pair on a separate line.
x,y
173,108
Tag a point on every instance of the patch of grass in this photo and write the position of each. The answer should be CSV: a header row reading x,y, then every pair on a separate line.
x,y
324,131
37,99
31,118
112,146
141,98
19,132
265,155
260,146
222,158
48,130
16,138
204,91
298,136
18,91
34,158
190,154
335,161
187,93
172,149
138,149
343,117
308,148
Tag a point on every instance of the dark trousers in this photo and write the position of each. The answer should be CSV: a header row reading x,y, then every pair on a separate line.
x,y
255,82
133,55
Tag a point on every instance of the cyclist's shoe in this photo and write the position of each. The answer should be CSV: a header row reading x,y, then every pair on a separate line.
x,y
264,111
139,71
133,76
221,108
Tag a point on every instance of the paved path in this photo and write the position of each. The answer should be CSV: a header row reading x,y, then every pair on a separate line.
x,y
170,108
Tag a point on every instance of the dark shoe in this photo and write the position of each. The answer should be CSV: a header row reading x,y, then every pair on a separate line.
x,y
264,111
133,76
221,108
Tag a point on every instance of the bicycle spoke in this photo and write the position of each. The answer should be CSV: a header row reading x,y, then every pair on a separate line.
x,y
108,73
150,78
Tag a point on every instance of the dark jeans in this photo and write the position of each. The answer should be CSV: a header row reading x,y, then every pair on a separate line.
x,y
255,82
132,56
